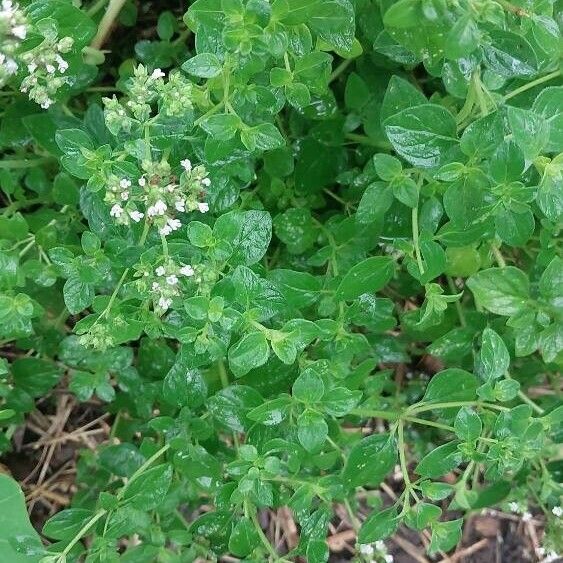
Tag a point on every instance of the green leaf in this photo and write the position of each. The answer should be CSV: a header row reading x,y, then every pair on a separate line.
x,y
222,126
451,385
250,352
370,275
379,525
463,38
333,21
422,515
271,412
35,376
445,535
503,291
231,405
148,489
404,14
424,135
65,524
308,387
370,461
247,234
510,55
78,295
400,95
494,358
19,543
440,461
530,130
183,386
204,65
387,166
549,104
312,430
244,537
467,425
264,137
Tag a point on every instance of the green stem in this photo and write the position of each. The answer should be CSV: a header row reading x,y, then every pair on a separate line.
x,y
529,401
211,112
223,376
365,140
532,84
80,534
143,468
340,69
96,7
498,256
425,422
106,23
454,404
459,308
265,542
415,239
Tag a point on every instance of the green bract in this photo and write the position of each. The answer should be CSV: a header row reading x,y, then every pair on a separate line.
x,y
243,238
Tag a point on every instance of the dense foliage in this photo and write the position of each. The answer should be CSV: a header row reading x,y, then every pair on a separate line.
x,y
246,229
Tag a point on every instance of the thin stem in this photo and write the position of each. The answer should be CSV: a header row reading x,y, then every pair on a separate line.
x,y
143,468
425,422
498,257
365,140
340,69
532,84
211,112
415,239
81,533
459,308
454,404
106,23
265,542
223,374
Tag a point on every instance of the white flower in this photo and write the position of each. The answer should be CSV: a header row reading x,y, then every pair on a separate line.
x,y
164,303
116,210
32,67
557,511
11,66
7,5
157,73
366,549
160,271
155,286
172,280
136,215
174,224
540,551
203,207
170,188
50,68
206,182
180,205
124,196
63,65
380,545
125,183
19,31
186,164
157,209
187,270
165,231
388,558
142,181
526,517
513,506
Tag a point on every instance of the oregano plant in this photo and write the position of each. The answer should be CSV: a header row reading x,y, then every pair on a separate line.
x,y
303,256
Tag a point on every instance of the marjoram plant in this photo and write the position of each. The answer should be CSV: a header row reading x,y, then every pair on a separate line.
x,y
299,250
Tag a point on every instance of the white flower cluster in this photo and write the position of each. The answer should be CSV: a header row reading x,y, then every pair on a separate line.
x,y
158,195
46,67
145,91
375,552
164,283
13,29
